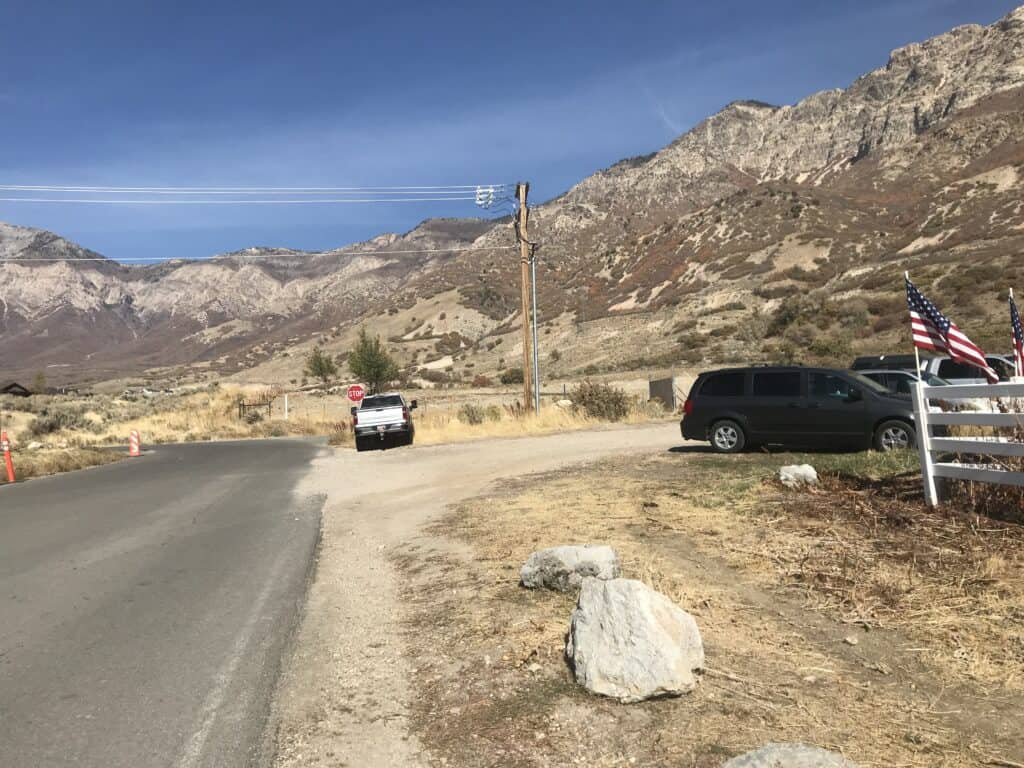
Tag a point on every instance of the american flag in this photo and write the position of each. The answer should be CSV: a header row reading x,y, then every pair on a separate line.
x,y
933,330
1018,339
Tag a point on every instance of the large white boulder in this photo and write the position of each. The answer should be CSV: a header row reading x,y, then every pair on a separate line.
x,y
631,643
796,475
564,568
789,756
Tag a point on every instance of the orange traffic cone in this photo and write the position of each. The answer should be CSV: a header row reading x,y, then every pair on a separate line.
x,y
6,445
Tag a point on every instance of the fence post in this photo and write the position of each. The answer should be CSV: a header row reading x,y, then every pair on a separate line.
x,y
924,444
286,406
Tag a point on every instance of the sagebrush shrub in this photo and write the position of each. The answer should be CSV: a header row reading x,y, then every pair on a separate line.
x,y
48,422
472,414
512,376
600,401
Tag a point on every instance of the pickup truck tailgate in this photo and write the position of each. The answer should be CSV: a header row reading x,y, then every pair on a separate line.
x,y
372,417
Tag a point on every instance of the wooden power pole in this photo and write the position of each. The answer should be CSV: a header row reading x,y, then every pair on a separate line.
x,y
522,190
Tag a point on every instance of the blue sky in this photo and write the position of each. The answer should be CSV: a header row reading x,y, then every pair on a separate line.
x,y
402,93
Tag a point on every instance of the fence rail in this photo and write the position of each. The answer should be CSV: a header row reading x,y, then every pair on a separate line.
x,y
1010,415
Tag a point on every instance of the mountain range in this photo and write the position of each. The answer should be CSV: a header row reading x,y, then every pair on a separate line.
x,y
763,233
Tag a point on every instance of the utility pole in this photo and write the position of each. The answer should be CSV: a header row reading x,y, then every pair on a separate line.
x,y
522,216
536,344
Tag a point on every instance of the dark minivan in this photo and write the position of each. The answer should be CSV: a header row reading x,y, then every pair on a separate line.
x,y
742,407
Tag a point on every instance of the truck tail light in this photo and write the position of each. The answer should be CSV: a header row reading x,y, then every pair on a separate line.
x,y
688,407
405,413
355,419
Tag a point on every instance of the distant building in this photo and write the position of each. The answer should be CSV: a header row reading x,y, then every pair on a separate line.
x,y
13,388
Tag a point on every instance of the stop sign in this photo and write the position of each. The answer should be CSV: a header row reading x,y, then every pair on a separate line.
x,y
356,392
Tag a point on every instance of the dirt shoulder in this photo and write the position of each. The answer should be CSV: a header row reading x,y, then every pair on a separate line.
x,y
847,617
348,692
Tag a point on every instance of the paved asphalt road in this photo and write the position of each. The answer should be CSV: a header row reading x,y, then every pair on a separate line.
x,y
145,605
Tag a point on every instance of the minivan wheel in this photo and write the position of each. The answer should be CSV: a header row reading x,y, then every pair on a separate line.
x,y
727,436
893,435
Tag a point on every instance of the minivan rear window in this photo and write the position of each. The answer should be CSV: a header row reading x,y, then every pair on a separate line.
x,y
724,385
777,384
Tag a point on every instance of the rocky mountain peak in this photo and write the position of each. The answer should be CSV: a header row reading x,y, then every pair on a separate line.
x,y
21,243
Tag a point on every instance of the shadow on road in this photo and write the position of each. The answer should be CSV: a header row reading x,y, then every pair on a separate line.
x,y
691,449
773,449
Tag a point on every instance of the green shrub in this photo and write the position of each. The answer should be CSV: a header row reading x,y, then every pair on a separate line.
x,y
472,414
600,401
512,376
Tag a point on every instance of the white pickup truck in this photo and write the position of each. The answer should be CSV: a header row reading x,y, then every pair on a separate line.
x,y
379,419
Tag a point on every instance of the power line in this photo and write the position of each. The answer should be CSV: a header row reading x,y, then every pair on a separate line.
x,y
283,201
207,193
212,189
340,252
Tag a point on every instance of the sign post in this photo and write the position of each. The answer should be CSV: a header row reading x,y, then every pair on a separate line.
x,y
134,443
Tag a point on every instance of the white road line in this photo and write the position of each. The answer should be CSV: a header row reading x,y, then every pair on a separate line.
x,y
193,751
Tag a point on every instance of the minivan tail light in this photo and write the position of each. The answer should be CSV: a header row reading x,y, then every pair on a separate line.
x,y
688,407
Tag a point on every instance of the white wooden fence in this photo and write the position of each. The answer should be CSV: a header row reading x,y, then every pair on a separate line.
x,y
929,444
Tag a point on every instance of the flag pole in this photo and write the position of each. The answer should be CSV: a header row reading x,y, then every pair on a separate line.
x,y
1017,364
917,352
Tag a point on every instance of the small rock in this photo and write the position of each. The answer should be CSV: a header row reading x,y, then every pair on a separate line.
x,y
851,640
35,445
789,756
796,475
564,568
631,643
535,667
563,403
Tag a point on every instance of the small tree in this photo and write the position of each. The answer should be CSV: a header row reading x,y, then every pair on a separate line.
x,y
371,363
320,366
39,383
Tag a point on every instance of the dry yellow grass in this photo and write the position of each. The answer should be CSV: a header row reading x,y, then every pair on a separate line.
x,y
206,415
710,533
448,427
29,464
